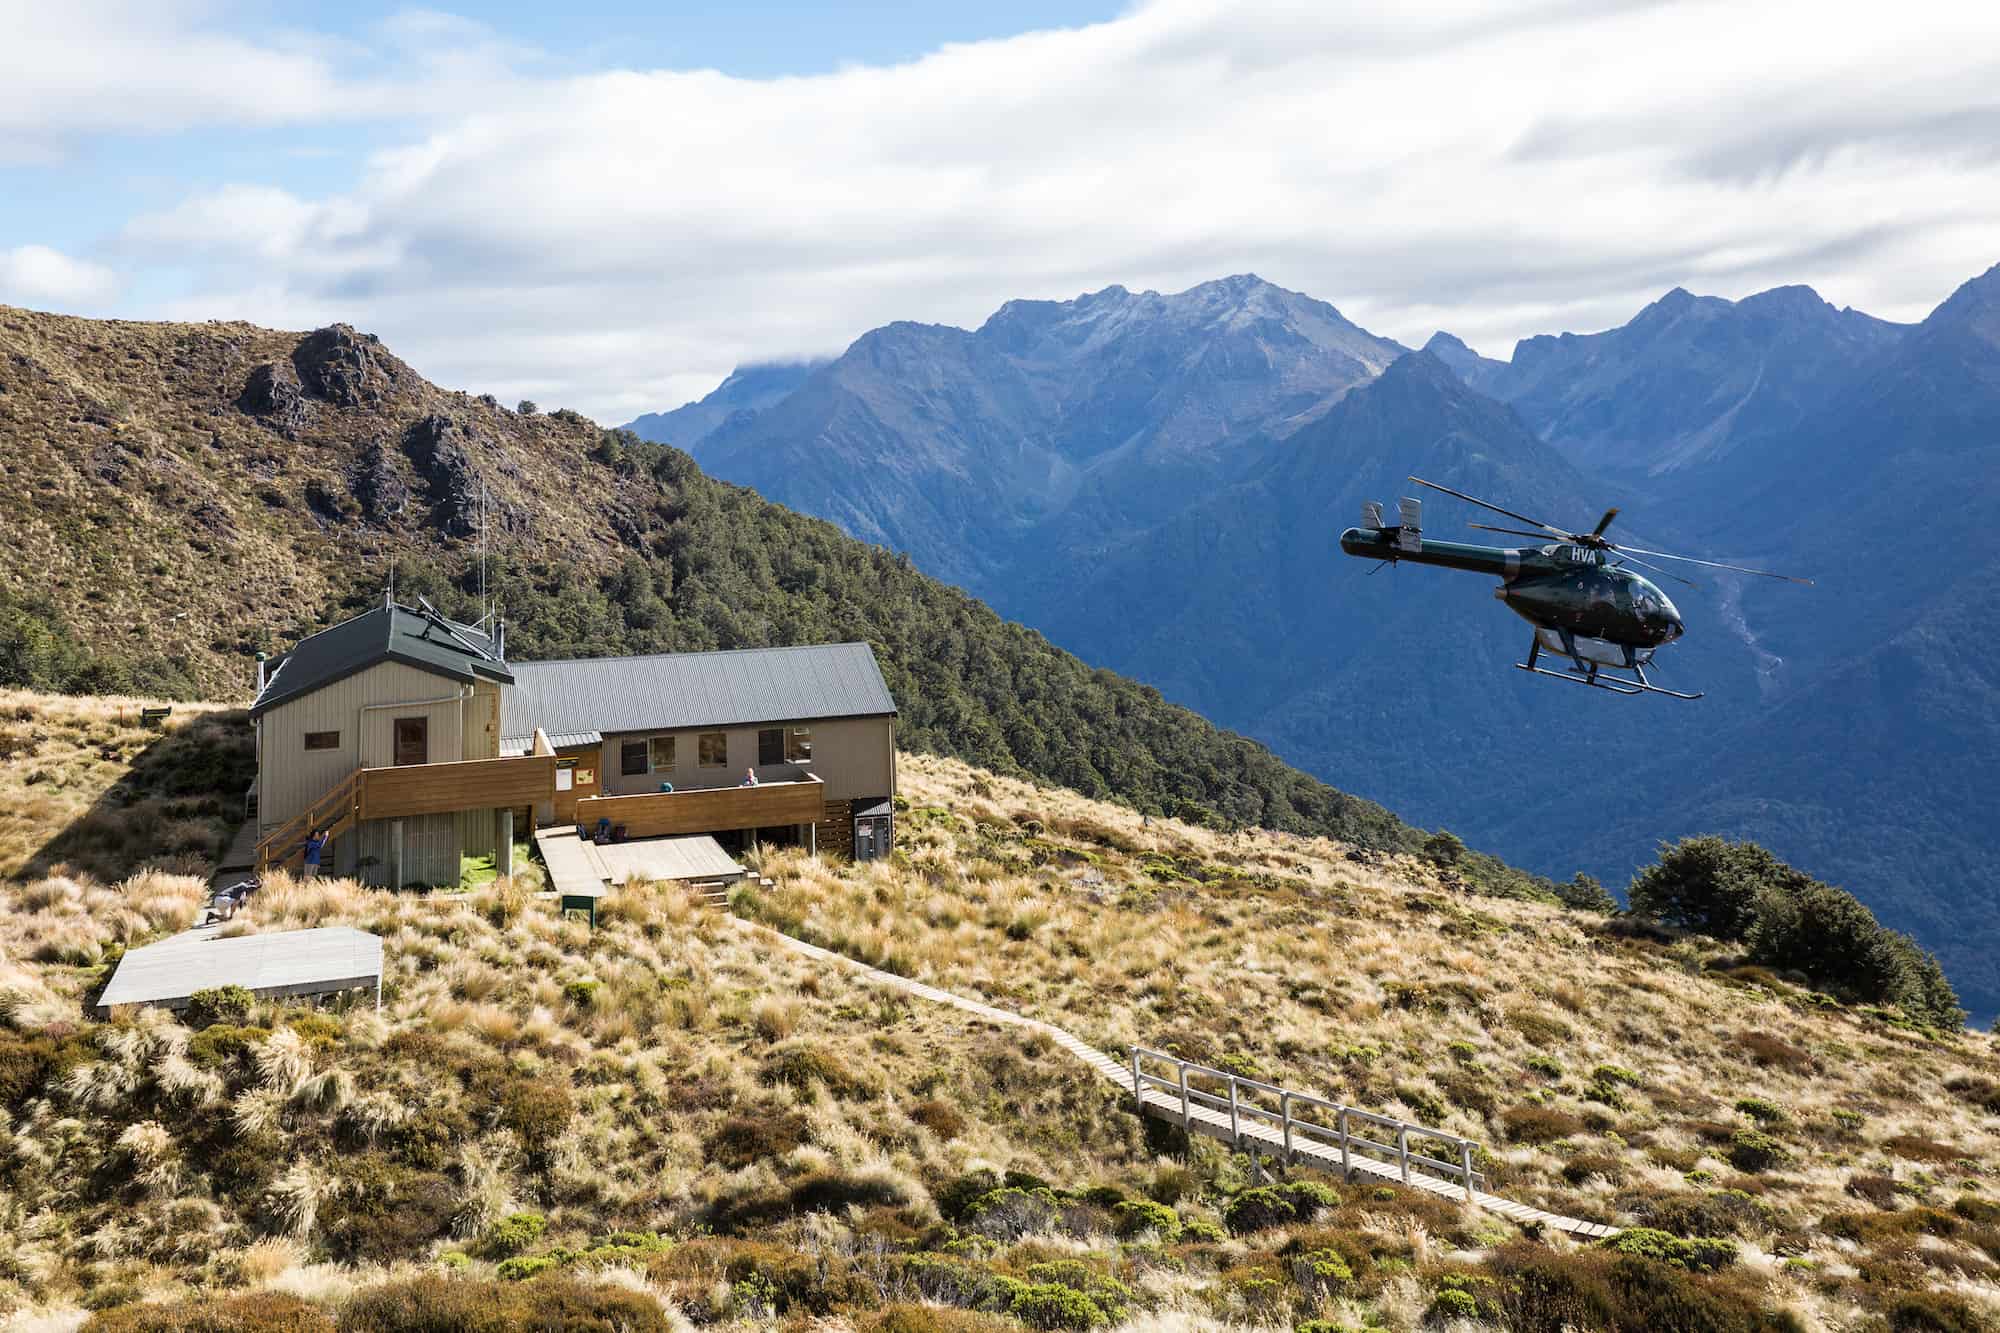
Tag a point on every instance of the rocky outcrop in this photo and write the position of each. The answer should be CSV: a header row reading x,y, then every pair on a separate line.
x,y
377,486
346,368
440,450
273,395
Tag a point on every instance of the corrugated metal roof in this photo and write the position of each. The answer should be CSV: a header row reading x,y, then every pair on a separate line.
x,y
672,691
511,746
386,634
289,962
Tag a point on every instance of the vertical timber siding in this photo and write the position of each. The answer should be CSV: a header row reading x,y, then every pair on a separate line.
x,y
290,777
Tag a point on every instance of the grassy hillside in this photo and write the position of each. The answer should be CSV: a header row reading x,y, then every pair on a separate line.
x,y
671,1121
178,496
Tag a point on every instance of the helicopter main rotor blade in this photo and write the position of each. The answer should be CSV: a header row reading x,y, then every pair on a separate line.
x,y
1604,522
1622,554
1534,522
1713,564
1517,532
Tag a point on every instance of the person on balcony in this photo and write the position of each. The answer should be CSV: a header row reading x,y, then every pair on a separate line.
x,y
749,778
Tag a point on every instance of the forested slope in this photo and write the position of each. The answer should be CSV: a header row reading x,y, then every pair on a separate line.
x,y
180,496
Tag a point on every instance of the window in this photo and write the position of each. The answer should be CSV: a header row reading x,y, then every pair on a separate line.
x,y
771,745
413,744
632,759
322,740
663,754
712,749
799,745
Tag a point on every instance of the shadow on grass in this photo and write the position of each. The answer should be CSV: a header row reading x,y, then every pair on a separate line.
x,y
175,806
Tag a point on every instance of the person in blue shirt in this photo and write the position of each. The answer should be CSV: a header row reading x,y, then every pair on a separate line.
x,y
315,845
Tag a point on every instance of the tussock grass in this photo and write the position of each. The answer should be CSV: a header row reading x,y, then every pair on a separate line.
x,y
802,1146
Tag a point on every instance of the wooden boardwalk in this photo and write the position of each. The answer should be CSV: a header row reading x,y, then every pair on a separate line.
x,y
1248,1129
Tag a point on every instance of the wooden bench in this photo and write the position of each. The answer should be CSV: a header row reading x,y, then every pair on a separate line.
x,y
153,717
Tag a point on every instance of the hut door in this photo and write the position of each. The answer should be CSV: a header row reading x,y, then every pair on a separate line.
x,y
871,837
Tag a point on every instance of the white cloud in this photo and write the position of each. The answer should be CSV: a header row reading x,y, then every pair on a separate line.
x,y
606,241
35,275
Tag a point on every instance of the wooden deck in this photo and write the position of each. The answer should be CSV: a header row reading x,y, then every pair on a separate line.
x,y
472,784
712,810
1197,1117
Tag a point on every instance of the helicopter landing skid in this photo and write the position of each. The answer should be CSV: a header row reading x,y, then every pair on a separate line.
x,y
1592,674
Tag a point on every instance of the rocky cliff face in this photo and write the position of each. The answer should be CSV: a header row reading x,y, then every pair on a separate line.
x,y
242,477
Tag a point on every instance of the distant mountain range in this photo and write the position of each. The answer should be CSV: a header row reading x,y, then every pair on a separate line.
x,y
1155,481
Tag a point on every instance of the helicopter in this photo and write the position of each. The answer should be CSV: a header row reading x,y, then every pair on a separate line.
x,y
1586,607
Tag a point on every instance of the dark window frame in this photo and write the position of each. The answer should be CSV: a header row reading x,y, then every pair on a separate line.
x,y
626,751
770,746
322,740
795,753
422,729
701,749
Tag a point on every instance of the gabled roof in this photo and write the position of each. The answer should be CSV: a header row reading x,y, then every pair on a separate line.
x,y
391,633
674,691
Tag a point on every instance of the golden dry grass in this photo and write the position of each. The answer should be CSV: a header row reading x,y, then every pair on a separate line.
x,y
712,1076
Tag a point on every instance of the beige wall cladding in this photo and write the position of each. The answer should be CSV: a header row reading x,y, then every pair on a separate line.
x,y
290,777
855,758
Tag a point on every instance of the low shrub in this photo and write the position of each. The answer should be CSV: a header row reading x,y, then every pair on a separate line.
x,y
1322,1273
28,1065
554,1300
802,1064
1751,1151
1011,1212
1108,1293
1453,1304
1935,1312
743,1139
538,1110
1529,1123
251,1312
225,1046
511,1235
1983,1093
1051,1306
220,1004
1762,1111
1136,1217
1700,1254
1269,1206
905,1318
384,1210
940,1118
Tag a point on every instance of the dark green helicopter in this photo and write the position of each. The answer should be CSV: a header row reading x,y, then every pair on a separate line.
x,y
1585,606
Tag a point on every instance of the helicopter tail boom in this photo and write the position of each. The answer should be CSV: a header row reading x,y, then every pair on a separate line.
x,y
1400,543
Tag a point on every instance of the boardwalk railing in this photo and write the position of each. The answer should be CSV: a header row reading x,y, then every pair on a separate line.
x,y
1298,1125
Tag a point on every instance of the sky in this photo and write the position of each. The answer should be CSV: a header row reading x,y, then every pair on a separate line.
x,y
608,206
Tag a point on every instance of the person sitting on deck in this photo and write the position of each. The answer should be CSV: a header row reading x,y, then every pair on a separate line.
x,y
315,845
749,778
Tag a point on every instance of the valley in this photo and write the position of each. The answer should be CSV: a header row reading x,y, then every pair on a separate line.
x,y
1199,554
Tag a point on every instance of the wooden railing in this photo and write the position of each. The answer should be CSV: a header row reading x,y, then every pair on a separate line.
x,y
710,810
336,813
471,784
1300,1126
411,789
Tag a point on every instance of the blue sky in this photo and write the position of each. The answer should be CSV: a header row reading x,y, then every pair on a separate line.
x,y
608,206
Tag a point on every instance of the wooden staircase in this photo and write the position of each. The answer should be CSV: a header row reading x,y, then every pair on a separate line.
x,y
336,812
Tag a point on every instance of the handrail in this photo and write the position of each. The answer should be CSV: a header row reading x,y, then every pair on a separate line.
x,y
1340,1134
